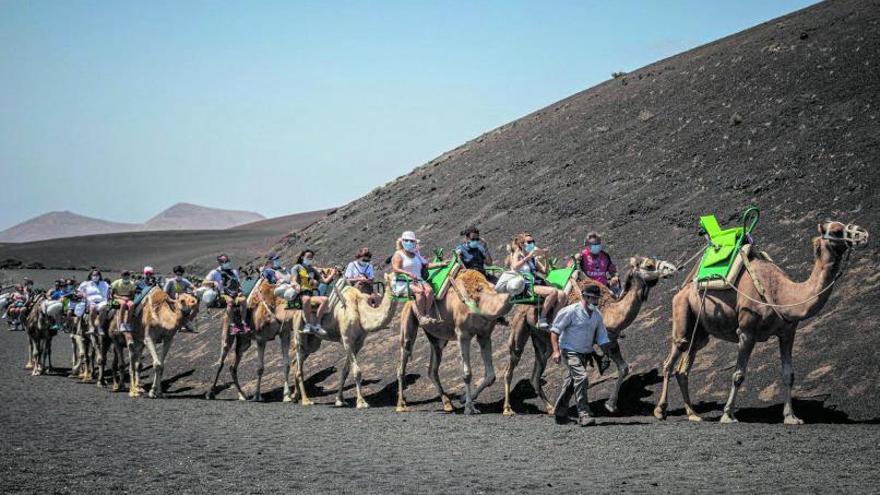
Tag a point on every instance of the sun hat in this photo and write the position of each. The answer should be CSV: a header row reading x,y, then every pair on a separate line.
x,y
408,235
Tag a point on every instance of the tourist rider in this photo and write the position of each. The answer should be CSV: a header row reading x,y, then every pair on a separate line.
x,y
95,293
123,291
527,259
408,261
176,285
597,264
361,275
305,279
273,270
227,283
575,330
473,253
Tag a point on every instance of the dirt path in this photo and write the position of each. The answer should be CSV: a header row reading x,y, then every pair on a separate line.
x,y
60,435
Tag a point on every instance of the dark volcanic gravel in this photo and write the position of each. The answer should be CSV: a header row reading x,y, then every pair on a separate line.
x,y
62,436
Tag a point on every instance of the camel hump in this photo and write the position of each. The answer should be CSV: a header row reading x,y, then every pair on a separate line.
x,y
606,297
474,283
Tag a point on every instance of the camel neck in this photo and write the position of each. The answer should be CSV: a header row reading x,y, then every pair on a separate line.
x,y
810,295
621,313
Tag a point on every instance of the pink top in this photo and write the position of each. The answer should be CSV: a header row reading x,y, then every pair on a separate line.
x,y
597,267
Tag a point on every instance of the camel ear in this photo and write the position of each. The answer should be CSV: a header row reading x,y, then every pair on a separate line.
x,y
633,262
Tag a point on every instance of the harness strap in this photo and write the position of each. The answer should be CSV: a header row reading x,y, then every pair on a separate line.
x,y
760,287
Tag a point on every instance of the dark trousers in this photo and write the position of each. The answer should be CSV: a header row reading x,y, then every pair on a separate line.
x,y
575,383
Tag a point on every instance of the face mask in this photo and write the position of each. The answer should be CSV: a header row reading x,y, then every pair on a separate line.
x,y
591,306
409,245
96,278
595,248
364,262
530,246
473,244
226,266
126,279
307,262
276,263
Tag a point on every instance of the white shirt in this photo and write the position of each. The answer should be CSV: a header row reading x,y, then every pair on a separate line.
x,y
578,329
95,292
357,269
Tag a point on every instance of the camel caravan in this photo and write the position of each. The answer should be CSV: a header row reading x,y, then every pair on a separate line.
x,y
573,310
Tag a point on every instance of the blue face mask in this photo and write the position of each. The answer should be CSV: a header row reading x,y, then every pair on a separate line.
x,y
307,262
409,245
226,266
473,244
530,246
595,248
276,263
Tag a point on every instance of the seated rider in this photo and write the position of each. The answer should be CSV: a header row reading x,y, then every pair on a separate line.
x,y
408,261
305,279
528,260
55,304
95,293
473,252
273,271
17,303
227,283
361,275
123,291
148,281
596,263
177,285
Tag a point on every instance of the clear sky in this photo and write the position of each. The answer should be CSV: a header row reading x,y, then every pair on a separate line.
x,y
119,109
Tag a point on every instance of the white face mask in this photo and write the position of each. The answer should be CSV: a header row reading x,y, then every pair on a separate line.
x,y
96,278
591,306
226,266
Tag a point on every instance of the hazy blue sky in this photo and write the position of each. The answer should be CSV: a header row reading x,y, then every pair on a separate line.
x,y
118,109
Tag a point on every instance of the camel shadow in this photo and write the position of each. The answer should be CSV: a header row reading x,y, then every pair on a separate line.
x,y
633,392
277,394
812,411
522,391
311,383
387,395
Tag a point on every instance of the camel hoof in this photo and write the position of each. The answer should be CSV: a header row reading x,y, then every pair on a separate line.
x,y
242,397
508,411
257,398
793,420
153,395
447,404
660,413
115,387
362,404
287,398
612,408
471,410
339,403
306,402
28,366
209,395
727,419
551,410
696,418
402,408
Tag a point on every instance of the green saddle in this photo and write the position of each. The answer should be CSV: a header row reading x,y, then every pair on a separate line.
x,y
556,277
436,276
247,285
724,244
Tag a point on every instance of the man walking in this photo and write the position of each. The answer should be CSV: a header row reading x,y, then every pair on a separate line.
x,y
576,328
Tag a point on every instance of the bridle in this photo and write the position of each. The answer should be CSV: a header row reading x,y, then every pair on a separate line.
x,y
852,235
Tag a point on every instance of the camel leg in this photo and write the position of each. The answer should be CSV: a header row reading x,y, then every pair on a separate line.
x,y
343,374
224,351
233,368
485,343
746,344
299,372
437,346
133,369
356,372
408,333
103,347
261,359
117,367
36,350
541,346
30,355
49,354
516,343
682,321
622,372
156,389
284,338
464,350
786,342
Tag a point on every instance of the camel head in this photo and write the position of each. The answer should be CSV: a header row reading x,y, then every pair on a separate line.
x,y
836,238
483,293
651,269
188,305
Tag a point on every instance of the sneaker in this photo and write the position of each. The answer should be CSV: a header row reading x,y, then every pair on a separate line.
x,y
542,323
586,420
317,330
307,329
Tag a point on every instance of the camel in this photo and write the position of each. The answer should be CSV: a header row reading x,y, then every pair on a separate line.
x,y
38,328
617,314
742,316
348,323
459,322
269,318
159,321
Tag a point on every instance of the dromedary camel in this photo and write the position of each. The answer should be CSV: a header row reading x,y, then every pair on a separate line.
x,y
617,314
39,334
349,323
745,316
269,318
159,321
459,322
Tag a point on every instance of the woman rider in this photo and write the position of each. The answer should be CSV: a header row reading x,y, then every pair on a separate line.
x,y
597,264
360,274
526,259
305,279
408,261
123,291
96,295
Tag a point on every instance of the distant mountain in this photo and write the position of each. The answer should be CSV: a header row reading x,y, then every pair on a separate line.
x,y
62,224
182,216
186,216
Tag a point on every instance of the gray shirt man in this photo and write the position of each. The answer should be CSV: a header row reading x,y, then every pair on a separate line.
x,y
578,329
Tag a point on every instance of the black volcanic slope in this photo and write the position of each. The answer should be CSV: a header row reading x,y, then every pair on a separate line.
x,y
783,115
